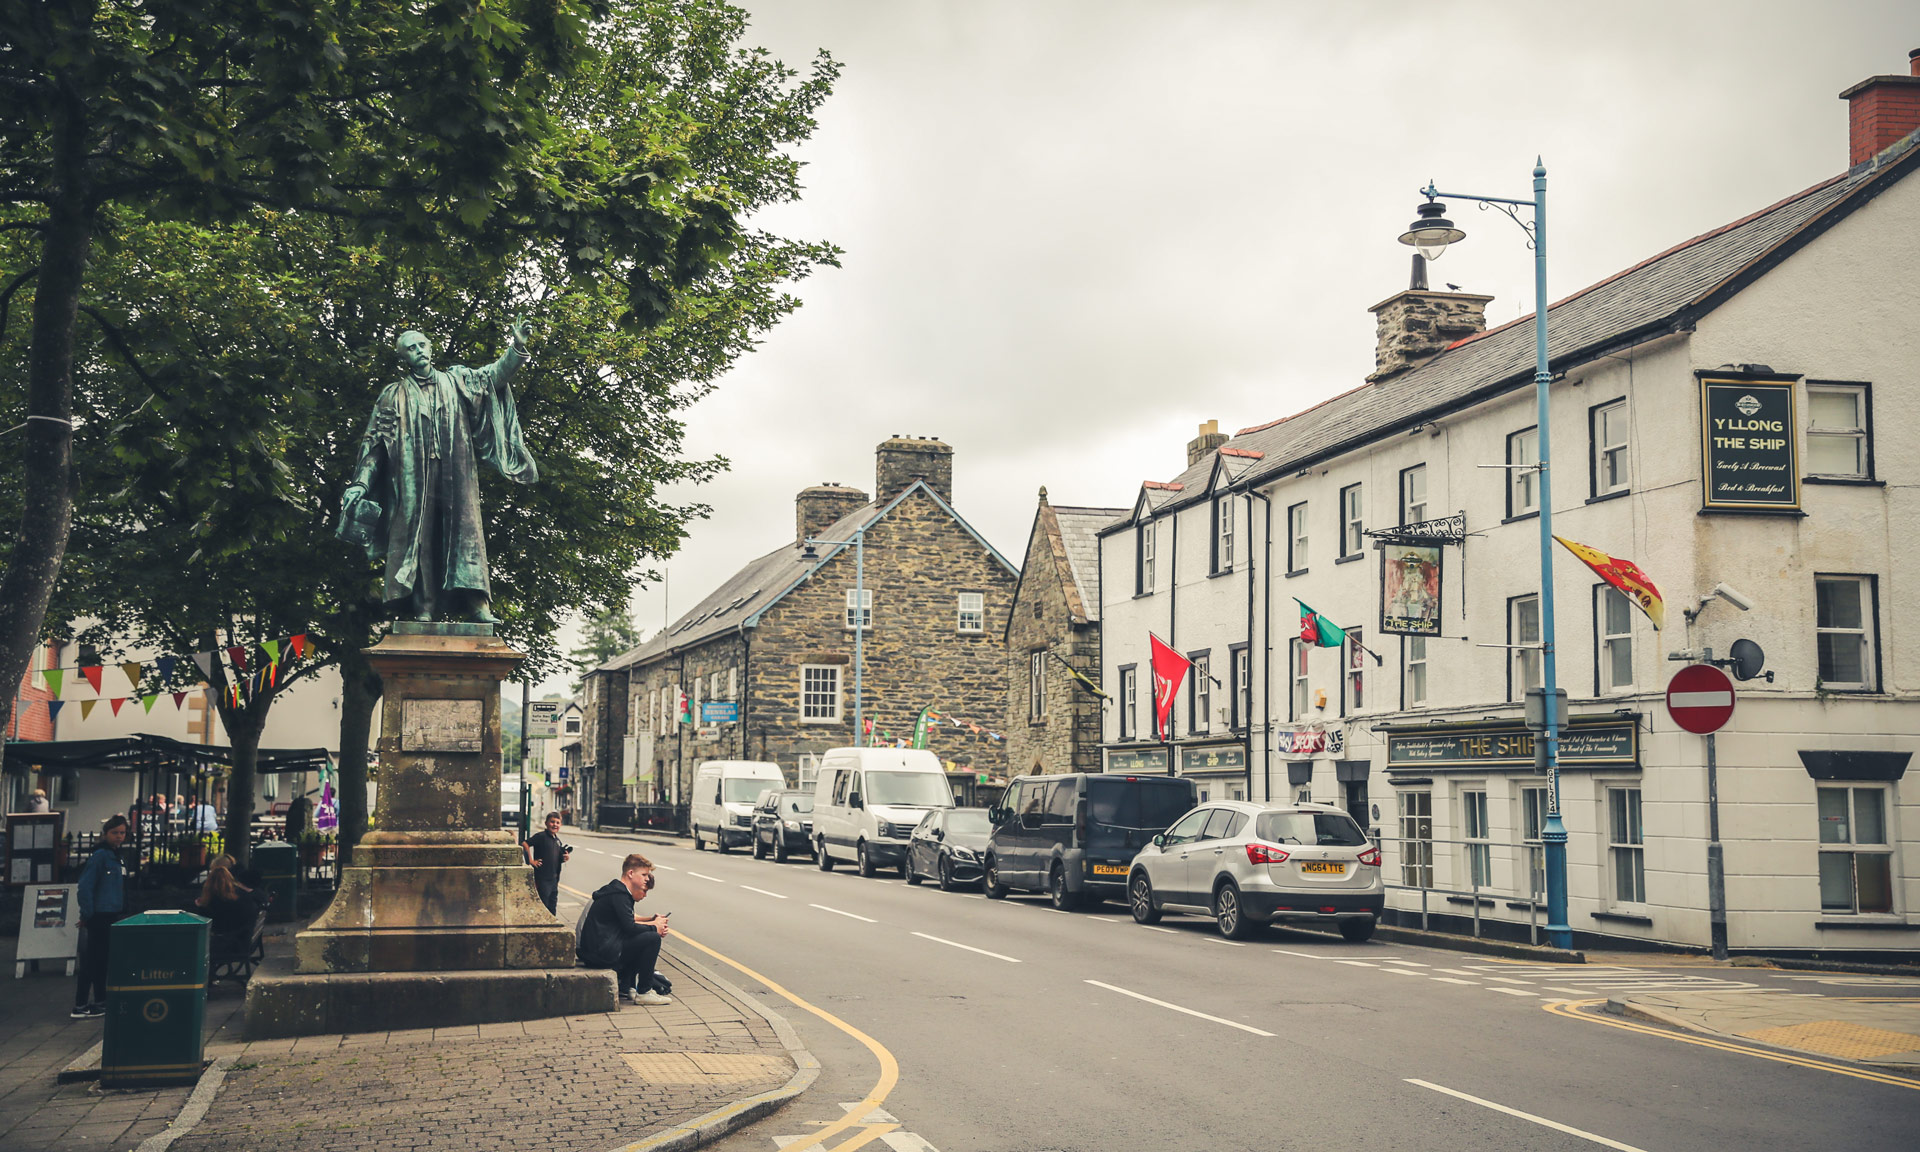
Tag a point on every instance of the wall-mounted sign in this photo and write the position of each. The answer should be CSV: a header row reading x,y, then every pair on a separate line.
x,y
719,712
1610,742
543,719
1308,741
1748,452
1140,762
440,725
1213,759
1410,589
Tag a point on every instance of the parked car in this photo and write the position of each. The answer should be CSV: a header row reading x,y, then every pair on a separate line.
x,y
866,802
723,796
782,824
1248,865
948,846
1074,836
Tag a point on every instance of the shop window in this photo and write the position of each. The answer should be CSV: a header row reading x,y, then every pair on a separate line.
x,y
1416,839
1533,822
1478,846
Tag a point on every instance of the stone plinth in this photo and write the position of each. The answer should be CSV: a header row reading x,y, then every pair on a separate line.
x,y
281,1003
440,887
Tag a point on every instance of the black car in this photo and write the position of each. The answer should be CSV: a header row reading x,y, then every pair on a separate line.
x,y
782,824
1074,836
948,845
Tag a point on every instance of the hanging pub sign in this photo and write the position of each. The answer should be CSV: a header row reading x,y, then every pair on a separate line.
x,y
1748,456
1410,589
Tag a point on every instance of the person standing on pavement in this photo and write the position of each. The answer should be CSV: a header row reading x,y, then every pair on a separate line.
x,y
39,801
614,935
103,898
546,854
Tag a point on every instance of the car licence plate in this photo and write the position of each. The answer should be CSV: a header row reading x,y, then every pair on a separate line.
x,y
1109,869
1323,867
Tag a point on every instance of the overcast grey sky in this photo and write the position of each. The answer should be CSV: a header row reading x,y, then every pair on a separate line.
x,y
1076,230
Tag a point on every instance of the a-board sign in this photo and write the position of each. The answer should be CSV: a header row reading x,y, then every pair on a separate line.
x,y
49,925
543,719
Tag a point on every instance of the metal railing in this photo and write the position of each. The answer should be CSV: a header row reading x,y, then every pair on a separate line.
x,y
1514,855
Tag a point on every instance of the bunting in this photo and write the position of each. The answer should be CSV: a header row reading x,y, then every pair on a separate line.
x,y
92,672
134,670
53,676
255,674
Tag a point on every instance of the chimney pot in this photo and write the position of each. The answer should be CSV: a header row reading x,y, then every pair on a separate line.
x,y
816,508
1210,438
901,460
1882,111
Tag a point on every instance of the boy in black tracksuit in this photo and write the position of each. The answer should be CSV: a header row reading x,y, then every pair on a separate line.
x,y
613,936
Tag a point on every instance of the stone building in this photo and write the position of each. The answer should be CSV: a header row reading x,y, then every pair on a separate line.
x,y
765,666
1052,637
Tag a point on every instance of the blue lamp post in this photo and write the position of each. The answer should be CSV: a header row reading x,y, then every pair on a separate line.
x,y
861,619
1430,235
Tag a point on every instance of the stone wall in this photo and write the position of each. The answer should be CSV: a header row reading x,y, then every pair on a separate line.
x,y
1414,326
1067,737
721,667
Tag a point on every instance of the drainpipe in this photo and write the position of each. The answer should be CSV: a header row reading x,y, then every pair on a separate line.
x,y
1173,633
1265,603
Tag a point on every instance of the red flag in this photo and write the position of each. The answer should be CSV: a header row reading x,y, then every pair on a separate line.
x,y
116,702
92,673
1169,669
299,645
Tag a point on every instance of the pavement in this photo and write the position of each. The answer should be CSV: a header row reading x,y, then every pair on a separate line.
x,y
1882,1032
639,1079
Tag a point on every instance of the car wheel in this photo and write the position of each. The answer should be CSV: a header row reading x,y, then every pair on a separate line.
x,y
1057,894
945,869
699,845
759,849
861,858
820,856
1230,916
780,849
991,884
907,872
1140,899
720,842
1357,931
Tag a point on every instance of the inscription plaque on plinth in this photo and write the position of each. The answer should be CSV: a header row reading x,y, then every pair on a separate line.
x,y
440,725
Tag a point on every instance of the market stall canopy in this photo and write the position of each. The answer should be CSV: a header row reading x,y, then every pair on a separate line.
x,y
143,752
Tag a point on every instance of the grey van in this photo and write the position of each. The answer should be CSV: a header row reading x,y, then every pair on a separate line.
x,y
1074,836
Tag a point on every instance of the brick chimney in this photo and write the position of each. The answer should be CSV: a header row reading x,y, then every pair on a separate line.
x,y
1881,111
900,460
1209,439
1416,325
817,507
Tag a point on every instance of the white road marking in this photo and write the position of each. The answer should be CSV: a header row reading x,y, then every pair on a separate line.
x,y
1409,963
1454,980
1102,920
1358,963
848,915
968,947
1151,928
763,891
1457,971
1399,972
906,1142
1177,1008
704,876
661,867
1513,991
1063,912
1228,943
1508,980
1571,991
1302,955
1540,1120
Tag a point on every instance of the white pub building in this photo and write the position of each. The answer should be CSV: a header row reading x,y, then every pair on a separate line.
x,y
1740,417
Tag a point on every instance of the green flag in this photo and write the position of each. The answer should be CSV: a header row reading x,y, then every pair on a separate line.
x,y
920,730
1314,628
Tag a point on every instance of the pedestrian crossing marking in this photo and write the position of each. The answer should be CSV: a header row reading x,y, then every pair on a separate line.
x,y
1511,991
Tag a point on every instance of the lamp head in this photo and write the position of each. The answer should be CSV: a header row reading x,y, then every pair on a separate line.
x,y
1430,234
807,550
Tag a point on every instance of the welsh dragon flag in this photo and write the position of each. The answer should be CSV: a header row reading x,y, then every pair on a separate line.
x,y
1314,628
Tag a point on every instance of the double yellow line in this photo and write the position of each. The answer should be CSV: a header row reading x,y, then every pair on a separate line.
x,y
1572,1010
889,1067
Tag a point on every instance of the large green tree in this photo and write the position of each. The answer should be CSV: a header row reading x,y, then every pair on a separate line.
x,y
230,368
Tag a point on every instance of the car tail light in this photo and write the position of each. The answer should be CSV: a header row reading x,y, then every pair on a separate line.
x,y
1263,854
1371,857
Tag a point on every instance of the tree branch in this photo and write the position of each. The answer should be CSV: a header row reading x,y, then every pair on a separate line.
x,y
119,343
6,295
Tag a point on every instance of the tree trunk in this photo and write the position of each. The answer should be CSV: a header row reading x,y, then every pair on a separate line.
x,y
360,689
46,460
242,785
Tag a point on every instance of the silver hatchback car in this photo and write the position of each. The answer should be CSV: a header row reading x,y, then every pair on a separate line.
x,y
1248,865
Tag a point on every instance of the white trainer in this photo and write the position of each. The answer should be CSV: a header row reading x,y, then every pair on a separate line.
x,y
650,998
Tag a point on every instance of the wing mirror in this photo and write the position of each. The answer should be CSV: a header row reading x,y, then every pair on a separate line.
x,y
1159,839
996,816
853,800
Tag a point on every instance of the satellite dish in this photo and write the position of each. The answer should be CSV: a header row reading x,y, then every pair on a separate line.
x,y
1749,659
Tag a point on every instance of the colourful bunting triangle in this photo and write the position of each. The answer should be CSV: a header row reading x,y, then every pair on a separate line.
x,y
239,658
146,701
134,670
205,662
53,708
179,698
272,649
299,645
164,669
116,702
86,708
92,673
53,676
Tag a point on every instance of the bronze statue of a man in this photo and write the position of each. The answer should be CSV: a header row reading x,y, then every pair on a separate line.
x,y
413,500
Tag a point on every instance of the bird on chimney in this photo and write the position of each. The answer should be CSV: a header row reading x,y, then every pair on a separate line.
x,y
1453,287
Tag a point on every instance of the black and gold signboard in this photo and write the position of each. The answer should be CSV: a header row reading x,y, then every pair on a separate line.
x,y
1748,453
1213,759
1609,743
1146,760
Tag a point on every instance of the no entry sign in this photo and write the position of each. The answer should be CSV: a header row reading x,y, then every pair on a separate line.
x,y
1700,698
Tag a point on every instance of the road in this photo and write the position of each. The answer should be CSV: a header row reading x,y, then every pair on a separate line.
x,y
1017,1027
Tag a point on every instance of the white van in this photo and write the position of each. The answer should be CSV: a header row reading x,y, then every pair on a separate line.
x,y
723,796
867,800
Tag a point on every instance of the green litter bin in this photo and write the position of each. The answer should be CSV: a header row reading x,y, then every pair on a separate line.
x,y
156,1000
279,868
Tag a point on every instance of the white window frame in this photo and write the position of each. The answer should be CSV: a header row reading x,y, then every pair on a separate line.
x,y
1149,547
1475,830
1626,846
971,612
1356,673
1129,699
1612,469
1352,521
1415,662
1413,505
822,700
808,771
1533,824
1525,668
1036,686
1840,843
1865,635
1297,537
1523,472
1613,632
1242,688
1300,696
1859,432
864,608
1200,692
1223,534
653,709
1416,837
733,683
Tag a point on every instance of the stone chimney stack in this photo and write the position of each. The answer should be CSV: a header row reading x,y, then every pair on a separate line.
x,y
1416,325
1210,438
817,507
1881,110
900,460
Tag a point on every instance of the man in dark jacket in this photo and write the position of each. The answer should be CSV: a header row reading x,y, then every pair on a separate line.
x,y
103,899
613,935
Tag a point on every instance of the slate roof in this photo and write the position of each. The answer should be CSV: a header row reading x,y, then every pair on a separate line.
x,y
1665,293
1079,532
748,593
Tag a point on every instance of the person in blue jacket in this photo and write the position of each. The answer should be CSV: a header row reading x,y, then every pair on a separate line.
x,y
103,898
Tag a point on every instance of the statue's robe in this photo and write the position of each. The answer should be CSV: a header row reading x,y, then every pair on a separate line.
x,y
419,461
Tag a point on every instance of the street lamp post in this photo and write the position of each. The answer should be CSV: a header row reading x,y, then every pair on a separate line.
x,y
1430,235
860,617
